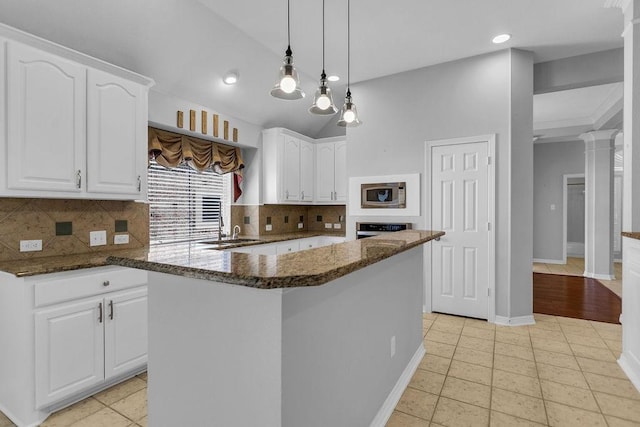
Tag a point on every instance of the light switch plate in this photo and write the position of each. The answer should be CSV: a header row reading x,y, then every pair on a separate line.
x,y
337,226
98,238
327,225
120,239
30,245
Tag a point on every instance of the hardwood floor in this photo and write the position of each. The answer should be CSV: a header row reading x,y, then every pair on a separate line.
x,y
577,297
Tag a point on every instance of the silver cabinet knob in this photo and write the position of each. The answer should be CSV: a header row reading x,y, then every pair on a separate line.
x,y
106,283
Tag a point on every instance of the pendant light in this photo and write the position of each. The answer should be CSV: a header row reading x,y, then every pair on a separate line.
x,y
323,101
349,113
288,84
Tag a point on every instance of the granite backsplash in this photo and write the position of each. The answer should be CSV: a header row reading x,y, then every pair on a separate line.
x,y
35,219
253,219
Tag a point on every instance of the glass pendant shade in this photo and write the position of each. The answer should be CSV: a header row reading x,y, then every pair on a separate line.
x,y
288,84
323,101
349,113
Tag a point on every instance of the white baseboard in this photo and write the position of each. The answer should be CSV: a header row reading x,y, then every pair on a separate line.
x,y
549,261
515,321
631,366
17,421
392,400
600,276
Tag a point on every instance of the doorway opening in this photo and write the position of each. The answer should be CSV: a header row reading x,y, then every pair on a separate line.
x,y
574,216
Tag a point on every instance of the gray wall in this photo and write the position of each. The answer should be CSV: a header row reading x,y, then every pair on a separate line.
x,y
486,94
579,71
550,162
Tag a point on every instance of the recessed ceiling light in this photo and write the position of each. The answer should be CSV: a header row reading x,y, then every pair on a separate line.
x,y
501,38
333,78
230,78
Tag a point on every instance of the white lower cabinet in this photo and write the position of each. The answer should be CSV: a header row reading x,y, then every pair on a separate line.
x,y
67,336
289,246
69,350
82,344
630,357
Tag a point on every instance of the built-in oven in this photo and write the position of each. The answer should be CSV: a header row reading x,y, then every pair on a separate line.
x,y
383,195
368,229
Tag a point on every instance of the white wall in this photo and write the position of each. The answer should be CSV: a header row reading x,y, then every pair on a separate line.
x,y
485,94
550,162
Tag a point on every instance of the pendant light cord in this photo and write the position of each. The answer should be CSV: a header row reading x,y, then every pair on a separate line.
x,y
322,36
288,25
348,47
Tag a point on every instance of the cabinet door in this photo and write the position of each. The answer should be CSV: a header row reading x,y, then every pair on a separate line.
x,y
291,169
116,135
340,176
324,172
307,169
287,247
125,331
46,102
69,342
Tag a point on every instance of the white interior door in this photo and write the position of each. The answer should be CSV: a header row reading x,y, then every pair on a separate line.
x,y
459,207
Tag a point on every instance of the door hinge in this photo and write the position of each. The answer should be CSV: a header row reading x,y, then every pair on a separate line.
x,y
488,226
488,160
488,292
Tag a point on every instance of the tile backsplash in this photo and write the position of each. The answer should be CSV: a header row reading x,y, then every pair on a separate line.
x,y
252,219
35,219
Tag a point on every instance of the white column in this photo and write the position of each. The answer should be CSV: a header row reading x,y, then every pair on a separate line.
x,y
631,179
598,203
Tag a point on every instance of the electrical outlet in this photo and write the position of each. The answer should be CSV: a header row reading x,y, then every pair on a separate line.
x,y
120,239
268,227
393,346
300,225
30,245
98,238
327,225
337,226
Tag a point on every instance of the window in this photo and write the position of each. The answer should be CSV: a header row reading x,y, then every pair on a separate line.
x,y
185,204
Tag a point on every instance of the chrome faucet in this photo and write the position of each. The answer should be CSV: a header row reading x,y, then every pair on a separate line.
x,y
220,225
236,232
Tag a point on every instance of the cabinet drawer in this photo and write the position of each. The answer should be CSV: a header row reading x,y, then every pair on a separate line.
x,y
59,287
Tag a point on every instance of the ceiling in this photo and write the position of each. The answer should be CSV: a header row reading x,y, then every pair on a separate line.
x,y
188,45
564,115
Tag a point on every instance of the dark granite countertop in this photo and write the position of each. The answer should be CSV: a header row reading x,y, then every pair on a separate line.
x,y
311,267
55,264
631,234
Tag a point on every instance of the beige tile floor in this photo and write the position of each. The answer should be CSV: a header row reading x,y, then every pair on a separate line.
x,y
559,372
575,267
123,405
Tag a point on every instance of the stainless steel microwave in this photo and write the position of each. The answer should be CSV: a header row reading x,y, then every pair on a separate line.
x,y
384,195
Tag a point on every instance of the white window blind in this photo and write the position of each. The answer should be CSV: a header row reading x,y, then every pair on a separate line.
x,y
185,204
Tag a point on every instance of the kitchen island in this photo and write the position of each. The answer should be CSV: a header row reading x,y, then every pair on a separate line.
x,y
326,336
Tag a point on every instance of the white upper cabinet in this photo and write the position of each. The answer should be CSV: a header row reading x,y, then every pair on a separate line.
x,y
331,171
75,126
46,104
300,169
288,166
291,169
116,135
325,168
307,181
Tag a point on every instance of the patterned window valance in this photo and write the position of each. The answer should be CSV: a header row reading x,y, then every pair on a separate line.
x,y
170,149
